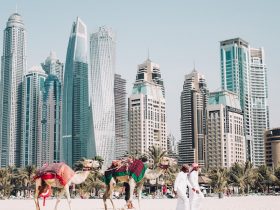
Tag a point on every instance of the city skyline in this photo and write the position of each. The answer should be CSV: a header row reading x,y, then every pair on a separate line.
x,y
175,62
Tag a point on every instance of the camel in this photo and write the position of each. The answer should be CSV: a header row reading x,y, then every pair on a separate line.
x,y
165,162
43,185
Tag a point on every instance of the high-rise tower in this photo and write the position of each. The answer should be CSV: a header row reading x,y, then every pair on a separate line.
x,y
102,70
146,111
194,99
52,110
51,122
243,71
225,141
120,116
32,104
235,77
75,96
53,66
259,94
12,70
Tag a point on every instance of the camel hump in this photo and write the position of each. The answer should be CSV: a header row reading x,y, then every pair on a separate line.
x,y
60,170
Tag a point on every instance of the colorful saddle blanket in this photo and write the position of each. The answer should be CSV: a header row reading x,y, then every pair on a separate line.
x,y
60,171
136,170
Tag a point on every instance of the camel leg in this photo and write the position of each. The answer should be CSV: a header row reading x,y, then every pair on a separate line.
x,y
111,189
36,194
66,188
58,198
132,185
139,192
105,196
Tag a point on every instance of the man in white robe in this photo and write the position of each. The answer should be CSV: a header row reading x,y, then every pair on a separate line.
x,y
195,195
180,188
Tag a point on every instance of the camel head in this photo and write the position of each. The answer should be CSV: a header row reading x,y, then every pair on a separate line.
x,y
166,162
89,164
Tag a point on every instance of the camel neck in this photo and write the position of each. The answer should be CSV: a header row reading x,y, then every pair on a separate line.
x,y
79,177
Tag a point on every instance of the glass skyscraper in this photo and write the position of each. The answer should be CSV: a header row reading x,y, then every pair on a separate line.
x,y
51,122
194,98
53,66
102,71
243,71
52,110
12,70
75,96
32,104
235,77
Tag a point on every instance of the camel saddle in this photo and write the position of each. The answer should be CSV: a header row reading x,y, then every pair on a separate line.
x,y
135,169
60,171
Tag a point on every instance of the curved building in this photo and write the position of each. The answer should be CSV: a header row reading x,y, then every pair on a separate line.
x,y
75,96
102,72
272,147
12,70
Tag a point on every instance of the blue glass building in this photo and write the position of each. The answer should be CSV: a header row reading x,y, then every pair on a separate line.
x,y
75,96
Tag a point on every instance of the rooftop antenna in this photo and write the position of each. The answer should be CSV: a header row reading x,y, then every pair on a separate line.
x,y
148,54
194,65
16,8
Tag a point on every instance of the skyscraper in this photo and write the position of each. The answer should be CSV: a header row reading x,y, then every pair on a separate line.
x,y
51,120
194,99
12,70
259,94
32,104
243,71
102,70
75,96
53,66
172,146
225,141
120,116
52,110
235,77
146,111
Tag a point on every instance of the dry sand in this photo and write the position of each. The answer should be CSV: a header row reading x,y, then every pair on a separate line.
x,y
227,203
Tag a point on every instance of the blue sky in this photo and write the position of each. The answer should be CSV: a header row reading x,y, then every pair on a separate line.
x,y
177,33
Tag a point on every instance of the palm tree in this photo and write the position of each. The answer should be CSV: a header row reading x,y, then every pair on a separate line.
x,y
155,154
6,185
277,175
219,179
265,178
242,176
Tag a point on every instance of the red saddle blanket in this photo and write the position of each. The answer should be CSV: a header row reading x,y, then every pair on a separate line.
x,y
60,171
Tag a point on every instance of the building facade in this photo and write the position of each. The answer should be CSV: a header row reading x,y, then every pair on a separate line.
x,y
147,111
53,66
235,77
13,68
194,98
51,120
243,71
172,146
32,104
75,103
121,123
225,140
259,94
272,147
102,71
